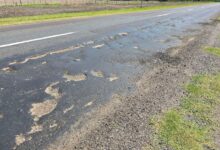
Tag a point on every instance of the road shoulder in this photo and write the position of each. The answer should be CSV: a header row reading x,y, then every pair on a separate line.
x,y
125,122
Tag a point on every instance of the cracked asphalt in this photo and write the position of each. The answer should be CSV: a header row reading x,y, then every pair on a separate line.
x,y
53,73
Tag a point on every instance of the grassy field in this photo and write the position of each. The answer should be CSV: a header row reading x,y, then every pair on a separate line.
x,y
192,124
47,17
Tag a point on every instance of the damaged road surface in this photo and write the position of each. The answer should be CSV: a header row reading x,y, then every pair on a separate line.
x,y
54,75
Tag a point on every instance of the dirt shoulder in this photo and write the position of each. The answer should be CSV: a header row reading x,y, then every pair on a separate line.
x,y
125,122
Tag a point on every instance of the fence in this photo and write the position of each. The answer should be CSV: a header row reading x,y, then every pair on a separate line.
x,y
25,2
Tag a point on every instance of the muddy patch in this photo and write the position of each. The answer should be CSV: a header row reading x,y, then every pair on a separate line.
x,y
97,73
76,77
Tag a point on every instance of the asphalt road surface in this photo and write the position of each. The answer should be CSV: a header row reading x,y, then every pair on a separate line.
x,y
52,73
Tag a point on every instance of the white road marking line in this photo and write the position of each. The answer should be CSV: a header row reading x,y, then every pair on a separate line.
x,y
163,15
37,39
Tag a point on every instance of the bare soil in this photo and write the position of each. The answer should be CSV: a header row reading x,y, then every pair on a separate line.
x,y
124,122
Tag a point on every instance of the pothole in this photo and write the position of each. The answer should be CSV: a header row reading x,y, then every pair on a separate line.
x,y
36,128
9,69
113,77
20,139
1,116
41,109
76,60
35,57
123,34
88,104
97,73
76,77
68,109
98,46
53,125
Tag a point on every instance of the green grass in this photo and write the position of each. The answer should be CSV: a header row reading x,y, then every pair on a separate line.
x,y
213,50
47,17
190,126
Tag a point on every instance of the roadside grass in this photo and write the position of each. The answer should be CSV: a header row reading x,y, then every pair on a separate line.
x,y
48,17
213,50
191,125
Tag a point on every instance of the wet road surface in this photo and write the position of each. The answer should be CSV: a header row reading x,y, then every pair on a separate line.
x,y
53,73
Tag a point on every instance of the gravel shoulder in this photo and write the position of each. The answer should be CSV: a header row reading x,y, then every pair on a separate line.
x,y
125,122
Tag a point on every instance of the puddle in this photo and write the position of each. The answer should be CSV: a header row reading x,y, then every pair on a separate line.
x,y
35,128
96,73
76,77
68,109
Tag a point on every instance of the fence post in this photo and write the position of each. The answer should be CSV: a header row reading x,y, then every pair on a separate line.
x,y
5,2
21,2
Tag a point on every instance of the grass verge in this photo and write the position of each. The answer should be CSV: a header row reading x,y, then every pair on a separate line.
x,y
46,17
213,50
191,125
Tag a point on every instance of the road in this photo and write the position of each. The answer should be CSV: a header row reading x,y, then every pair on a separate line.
x,y
53,73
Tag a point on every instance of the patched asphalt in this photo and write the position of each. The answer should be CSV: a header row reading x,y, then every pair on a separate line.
x,y
58,80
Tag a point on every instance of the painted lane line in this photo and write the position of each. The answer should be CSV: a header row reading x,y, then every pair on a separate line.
x,y
163,15
37,39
